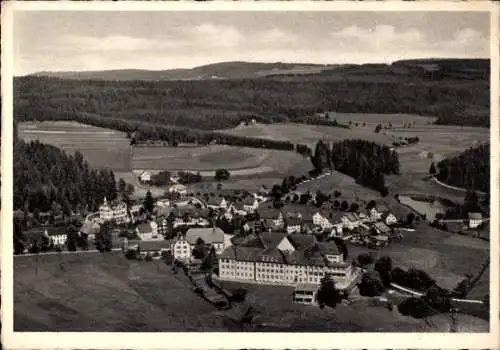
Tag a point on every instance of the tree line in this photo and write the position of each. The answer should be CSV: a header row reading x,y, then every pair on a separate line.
x,y
469,170
144,131
365,161
218,104
46,178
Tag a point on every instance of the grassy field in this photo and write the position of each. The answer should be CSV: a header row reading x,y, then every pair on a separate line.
x,y
444,256
100,147
66,293
436,142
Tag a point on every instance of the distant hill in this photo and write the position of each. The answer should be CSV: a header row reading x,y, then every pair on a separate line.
x,y
224,70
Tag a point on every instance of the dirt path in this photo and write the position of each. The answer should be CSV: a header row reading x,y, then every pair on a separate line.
x,y
455,188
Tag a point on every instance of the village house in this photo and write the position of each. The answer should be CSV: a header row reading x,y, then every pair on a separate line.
x,y
145,177
184,245
321,219
250,204
285,259
350,221
238,208
162,224
475,220
178,188
293,223
381,228
389,219
377,211
216,202
58,237
117,212
148,247
90,229
148,231
163,203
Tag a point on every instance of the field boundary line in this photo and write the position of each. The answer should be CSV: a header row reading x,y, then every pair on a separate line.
x,y
454,187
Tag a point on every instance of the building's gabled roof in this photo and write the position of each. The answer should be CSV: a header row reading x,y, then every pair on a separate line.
x,y
475,216
214,200
238,205
209,235
145,228
249,200
154,245
271,239
353,217
328,248
386,214
380,226
293,220
301,242
323,212
90,228
382,208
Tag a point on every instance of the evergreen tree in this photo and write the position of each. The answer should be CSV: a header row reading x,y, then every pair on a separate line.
x,y
149,202
432,170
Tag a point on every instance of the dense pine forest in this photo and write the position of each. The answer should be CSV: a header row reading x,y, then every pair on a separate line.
x,y
46,178
469,170
365,161
219,104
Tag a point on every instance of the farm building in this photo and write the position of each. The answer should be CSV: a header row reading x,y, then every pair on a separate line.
x,y
475,220
145,177
148,231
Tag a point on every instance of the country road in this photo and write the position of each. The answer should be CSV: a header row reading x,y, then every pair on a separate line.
x,y
75,252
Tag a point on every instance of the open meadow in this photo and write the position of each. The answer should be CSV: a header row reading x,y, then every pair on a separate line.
x,y
240,161
66,292
100,147
436,143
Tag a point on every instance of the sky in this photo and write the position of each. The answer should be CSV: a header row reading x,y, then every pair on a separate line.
x,y
91,40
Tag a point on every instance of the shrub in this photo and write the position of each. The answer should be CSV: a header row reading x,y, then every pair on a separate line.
x,y
416,308
364,259
371,285
384,266
148,257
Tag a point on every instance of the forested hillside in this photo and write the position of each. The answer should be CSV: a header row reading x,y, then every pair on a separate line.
x,y
365,161
469,170
217,104
46,177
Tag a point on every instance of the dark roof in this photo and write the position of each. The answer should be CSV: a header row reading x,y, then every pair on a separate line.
x,y
238,205
214,200
382,227
90,228
208,234
293,220
301,242
475,216
382,208
155,245
263,248
271,239
145,228
249,200
269,213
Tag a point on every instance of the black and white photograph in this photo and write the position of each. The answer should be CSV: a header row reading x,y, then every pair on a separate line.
x,y
252,171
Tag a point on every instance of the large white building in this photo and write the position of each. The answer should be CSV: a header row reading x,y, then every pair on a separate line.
x,y
212,236
117,212
284,259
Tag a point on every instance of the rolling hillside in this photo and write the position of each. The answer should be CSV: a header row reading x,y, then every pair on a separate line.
x,y
107,293
225,70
